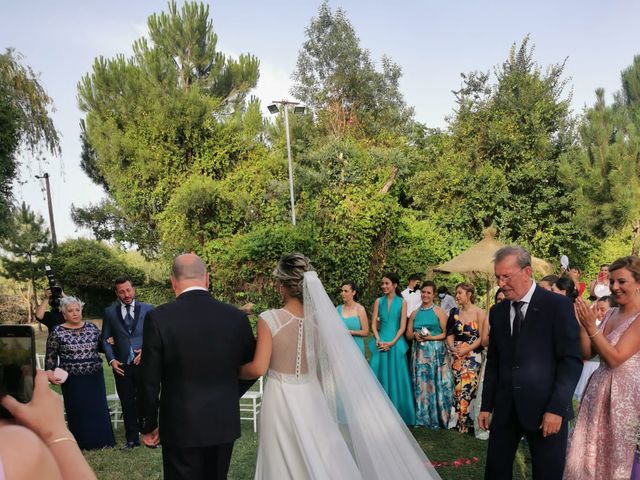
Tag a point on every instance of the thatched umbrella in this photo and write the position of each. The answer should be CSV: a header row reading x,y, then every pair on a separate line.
x,y
478,260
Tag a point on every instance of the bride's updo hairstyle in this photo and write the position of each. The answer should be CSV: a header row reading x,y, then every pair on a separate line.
x,y
290,273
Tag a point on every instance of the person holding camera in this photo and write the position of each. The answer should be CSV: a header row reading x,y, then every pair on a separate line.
x,y
122,328
52,317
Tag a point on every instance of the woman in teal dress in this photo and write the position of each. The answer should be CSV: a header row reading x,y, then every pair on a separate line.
x,y
389,348
431,369
353,314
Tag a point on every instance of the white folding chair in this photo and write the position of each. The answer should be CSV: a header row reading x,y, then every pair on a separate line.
x,y
250,403
115,409
40,360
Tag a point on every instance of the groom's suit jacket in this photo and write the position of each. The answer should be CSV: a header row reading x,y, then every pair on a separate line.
x,y
113,325
540,372
193,349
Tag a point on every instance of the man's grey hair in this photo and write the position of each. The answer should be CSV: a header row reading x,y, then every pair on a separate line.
x,y
188,267
70,300
522,256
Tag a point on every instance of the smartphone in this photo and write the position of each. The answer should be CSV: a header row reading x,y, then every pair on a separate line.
x,y
17,363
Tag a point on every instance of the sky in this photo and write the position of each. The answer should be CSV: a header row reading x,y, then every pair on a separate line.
x,y
433,42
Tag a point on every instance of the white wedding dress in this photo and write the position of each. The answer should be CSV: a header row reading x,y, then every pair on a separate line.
x,y
324,414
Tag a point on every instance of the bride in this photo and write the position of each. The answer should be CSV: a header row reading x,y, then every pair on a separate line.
x,y
324,415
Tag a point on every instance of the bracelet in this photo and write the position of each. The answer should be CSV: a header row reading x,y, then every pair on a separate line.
x,y
591,336
62,439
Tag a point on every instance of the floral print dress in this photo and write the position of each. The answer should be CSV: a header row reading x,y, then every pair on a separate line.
x,y
466,370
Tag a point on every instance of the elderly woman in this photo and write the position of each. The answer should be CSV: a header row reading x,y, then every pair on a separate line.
x,y
73,346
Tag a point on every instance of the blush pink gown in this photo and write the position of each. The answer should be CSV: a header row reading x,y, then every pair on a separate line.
x,y
601,446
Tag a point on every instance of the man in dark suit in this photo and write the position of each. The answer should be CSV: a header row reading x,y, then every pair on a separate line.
x,y
193,349
533,366
122,327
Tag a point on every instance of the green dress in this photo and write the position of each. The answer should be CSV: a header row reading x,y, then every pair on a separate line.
x,y
352,323
392,367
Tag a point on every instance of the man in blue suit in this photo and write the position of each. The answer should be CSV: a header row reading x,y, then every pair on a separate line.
x,y
533,367
122,328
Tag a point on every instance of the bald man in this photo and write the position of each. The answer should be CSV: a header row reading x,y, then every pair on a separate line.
x,y
194,347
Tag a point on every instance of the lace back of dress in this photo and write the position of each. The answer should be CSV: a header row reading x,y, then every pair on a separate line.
x,y
289,355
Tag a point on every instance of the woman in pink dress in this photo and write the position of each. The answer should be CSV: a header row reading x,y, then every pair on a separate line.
x,y
602,445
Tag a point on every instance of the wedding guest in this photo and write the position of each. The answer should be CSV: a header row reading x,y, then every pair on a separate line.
x,y
389,347
574,274
481,434
600,286
411,294
464,332
73,346
601,306
37,443
353,315
446,301
548,281
602,445
565,286
431,367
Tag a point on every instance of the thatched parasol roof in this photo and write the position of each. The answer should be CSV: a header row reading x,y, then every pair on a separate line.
x,y
478,259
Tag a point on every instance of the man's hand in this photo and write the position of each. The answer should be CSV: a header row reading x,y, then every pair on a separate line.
x,y
110,341
483,420
551,424
115,364
151,439
138,357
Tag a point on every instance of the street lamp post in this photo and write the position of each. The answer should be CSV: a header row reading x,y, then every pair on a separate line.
x,y
45,176
298,110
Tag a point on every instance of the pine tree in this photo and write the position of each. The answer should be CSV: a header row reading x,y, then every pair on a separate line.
x,y
26,248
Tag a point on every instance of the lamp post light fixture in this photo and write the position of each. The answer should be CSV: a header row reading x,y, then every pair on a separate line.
x,y
298,110
52,225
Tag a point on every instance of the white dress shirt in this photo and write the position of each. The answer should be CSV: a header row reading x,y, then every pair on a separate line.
x,y
413,299
123,309
526,299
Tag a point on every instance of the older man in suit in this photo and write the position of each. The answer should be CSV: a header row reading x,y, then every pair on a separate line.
x,y
193,349
122,328
533,366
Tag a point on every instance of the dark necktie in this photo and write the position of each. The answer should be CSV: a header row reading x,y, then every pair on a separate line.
x,y
128,321
518,319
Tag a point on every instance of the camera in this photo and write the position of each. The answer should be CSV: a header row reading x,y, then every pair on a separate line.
x,y
56,290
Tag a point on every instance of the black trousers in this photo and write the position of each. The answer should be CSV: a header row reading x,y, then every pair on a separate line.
x,y
198,463
127,388
548,454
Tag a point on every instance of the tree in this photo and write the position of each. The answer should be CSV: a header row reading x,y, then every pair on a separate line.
x,y
26,249
337,78
88,268
501,162
167,113
24,122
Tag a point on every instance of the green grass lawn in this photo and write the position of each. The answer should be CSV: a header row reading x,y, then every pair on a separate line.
x,y
146,464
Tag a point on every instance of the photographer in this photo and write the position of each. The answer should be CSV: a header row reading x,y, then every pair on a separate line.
x,y
53,317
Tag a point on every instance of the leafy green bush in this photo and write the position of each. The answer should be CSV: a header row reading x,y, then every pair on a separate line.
x,y
87,269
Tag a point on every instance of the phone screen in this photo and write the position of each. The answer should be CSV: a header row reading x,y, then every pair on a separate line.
x,y
17,367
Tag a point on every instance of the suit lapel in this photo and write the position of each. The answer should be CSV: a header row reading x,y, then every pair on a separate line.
x,y
533,307
119,316
136,316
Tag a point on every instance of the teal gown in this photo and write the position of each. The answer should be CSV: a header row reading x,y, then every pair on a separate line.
x,y
353,323
391,367
431,374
